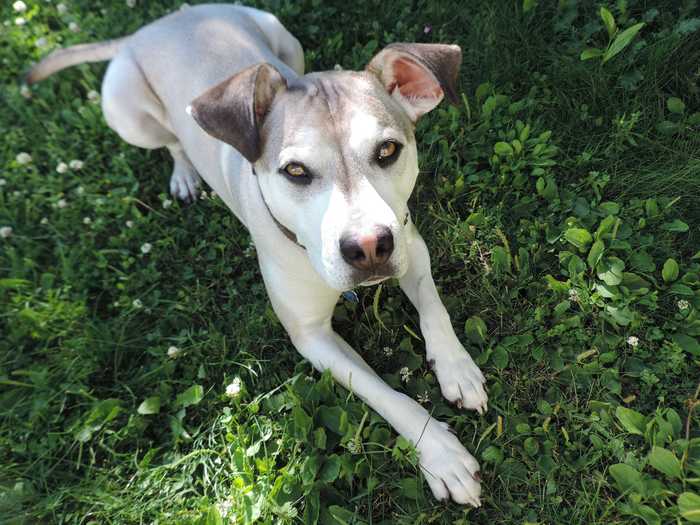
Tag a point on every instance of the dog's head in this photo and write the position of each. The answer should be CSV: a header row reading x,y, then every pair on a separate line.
x,y
335,152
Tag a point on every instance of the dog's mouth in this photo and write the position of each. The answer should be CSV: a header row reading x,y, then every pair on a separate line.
x,y
374,279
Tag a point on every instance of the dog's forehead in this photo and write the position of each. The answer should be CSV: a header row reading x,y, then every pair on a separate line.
x,y
336,103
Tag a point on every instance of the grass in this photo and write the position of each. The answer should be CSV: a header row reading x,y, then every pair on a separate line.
x,y
560,204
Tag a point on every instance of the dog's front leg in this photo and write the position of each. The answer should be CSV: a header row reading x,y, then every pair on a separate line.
x,y
305,307
460,379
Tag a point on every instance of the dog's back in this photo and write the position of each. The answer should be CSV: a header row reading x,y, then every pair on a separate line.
x,y
157,71
207,44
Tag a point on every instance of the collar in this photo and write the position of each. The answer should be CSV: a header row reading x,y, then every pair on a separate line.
x,y
289,234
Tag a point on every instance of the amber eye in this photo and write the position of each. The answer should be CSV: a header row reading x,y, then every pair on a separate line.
x,y
386,150
295,170
387,153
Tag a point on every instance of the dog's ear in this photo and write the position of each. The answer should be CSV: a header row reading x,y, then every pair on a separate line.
x,y
234,110
418,76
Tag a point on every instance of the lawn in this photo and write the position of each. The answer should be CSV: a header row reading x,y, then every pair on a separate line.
x,y
144,377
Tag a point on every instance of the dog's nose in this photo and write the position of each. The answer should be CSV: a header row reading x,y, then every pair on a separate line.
x,y
367,251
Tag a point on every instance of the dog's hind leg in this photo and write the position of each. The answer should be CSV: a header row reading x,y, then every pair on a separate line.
x,y
133,110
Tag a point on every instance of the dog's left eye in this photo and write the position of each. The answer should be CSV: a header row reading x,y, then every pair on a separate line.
x,y
388,152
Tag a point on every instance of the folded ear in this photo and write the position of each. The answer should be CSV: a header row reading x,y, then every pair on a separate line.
x,y
418,75
234,110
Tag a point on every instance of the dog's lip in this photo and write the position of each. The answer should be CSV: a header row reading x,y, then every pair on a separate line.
x,y
374,279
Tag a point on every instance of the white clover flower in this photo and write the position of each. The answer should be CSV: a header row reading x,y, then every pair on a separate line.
x,y
167,203
76,164
62,167
5,232
573,295
19,21
203,195
16,194
23,158
129,224
93,96
224,507
44,220
405,374
136,303
87,220
3,182
130,3
41,42
683,304
388,352
213,195
79,190
99,201
61,8
234,388
62,203
74,27
173,352
633,341
19,6
427,29
184,5
146,247
25,91
354,446
338,67
424,398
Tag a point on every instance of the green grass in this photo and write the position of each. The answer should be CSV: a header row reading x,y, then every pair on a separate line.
x,y
549,258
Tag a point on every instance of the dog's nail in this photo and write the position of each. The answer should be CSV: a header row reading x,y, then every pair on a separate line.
x,y
431,364
459,403
477,476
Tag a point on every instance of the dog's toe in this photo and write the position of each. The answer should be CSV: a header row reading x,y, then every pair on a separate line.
x,y
184,184
461,381
451,472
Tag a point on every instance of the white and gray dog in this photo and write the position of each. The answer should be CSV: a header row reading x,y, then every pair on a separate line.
x,y
319,168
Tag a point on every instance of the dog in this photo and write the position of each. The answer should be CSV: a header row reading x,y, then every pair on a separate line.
x,y
319,168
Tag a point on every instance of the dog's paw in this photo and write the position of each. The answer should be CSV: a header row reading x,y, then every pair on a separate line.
x,y
451,471
184,183
461,381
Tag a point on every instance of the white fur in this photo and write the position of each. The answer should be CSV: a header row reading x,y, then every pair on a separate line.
x,y
363,128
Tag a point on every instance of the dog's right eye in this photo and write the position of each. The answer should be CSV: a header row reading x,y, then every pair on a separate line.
x,y
296,172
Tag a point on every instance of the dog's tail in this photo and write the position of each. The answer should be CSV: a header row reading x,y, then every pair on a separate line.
x,y
71,56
